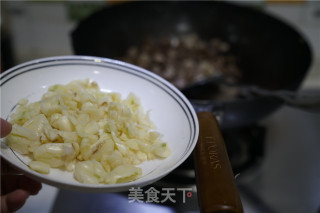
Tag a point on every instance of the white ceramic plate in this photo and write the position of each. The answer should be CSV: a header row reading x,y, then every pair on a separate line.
x,y
170,111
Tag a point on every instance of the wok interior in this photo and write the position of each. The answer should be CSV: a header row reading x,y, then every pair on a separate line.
x,y
270,53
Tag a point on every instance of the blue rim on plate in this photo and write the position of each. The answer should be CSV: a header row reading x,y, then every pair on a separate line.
x,y
101,64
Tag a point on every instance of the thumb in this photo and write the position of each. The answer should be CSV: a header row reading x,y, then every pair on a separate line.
x,y
13,201
5,128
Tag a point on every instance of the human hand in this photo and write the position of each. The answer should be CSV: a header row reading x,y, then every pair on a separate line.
x,y
15,189
5,128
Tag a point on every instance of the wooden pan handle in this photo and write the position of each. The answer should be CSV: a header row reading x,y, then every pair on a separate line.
x,y
217,191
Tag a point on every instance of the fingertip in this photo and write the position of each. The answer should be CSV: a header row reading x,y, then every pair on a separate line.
x,y
14,200
5,128
30,185
36,188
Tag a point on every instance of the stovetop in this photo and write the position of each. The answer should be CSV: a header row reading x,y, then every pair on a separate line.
x,y
278,166
283,175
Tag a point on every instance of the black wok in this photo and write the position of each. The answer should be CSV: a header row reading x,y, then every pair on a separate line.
x,y
270,53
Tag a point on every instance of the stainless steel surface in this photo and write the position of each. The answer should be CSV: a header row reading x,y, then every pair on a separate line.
x,y
287,180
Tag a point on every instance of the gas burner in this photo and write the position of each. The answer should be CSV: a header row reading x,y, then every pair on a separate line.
x,y
245,147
